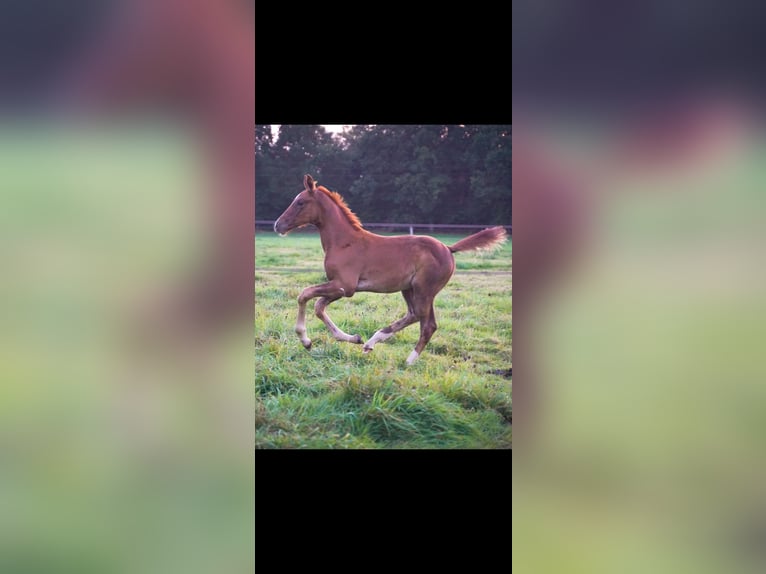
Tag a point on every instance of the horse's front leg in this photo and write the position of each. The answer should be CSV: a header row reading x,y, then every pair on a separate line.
x,y
339,334
328,292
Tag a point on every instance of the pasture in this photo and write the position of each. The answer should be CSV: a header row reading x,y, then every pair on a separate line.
x,y
457,395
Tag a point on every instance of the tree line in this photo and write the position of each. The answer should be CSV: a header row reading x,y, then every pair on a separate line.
x,y
391,173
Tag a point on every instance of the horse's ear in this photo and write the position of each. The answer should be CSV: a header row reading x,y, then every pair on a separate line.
x,y
309,183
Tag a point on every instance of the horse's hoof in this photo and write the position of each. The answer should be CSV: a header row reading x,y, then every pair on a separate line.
x,y
307,347
366,350
357,340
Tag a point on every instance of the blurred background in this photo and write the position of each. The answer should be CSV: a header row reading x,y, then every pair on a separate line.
x,y
126,201
639,211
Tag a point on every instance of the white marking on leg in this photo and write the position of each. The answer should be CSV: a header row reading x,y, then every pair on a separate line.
x,y
376,338
300,326
413,357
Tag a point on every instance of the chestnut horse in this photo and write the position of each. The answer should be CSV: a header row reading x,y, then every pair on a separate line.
x,y
357,260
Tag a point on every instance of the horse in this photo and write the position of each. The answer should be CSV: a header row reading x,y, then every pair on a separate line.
x,y
357,260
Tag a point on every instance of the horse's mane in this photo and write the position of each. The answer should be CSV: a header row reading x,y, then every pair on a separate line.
x,y
345,209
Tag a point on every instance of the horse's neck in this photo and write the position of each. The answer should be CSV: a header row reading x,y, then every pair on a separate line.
x,y
336,230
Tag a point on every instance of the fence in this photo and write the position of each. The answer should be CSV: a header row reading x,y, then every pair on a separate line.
x,y
411,227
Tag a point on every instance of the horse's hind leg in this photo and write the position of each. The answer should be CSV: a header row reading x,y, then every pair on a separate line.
x,y
425,288
427,329
319,309
386,332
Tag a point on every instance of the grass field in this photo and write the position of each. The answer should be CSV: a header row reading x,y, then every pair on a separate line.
x,y
94,220
457,395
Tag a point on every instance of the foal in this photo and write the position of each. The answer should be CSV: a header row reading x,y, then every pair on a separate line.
x,y
357,260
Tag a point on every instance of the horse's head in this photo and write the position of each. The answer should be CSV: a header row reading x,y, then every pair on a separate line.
x,y
303,210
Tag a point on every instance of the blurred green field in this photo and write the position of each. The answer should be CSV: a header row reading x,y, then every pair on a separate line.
x,y
650,434
457,395
112,461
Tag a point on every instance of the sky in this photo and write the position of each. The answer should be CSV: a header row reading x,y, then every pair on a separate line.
x,y
333,128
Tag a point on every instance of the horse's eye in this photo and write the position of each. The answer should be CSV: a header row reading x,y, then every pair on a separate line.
x,y
300,203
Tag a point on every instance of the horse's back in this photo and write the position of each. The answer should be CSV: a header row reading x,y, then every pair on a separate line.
x,y
415,247
402,262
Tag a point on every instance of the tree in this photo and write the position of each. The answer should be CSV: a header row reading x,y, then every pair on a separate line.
x,y
490,153
392,173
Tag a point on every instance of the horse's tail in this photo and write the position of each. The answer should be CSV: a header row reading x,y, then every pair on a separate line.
x,y
487,239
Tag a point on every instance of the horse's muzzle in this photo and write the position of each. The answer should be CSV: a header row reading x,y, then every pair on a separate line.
x,y
280,228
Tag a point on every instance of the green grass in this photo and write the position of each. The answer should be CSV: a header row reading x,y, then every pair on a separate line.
x,y
334,396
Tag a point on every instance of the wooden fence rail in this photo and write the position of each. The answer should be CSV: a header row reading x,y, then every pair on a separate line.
x,y
430,227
